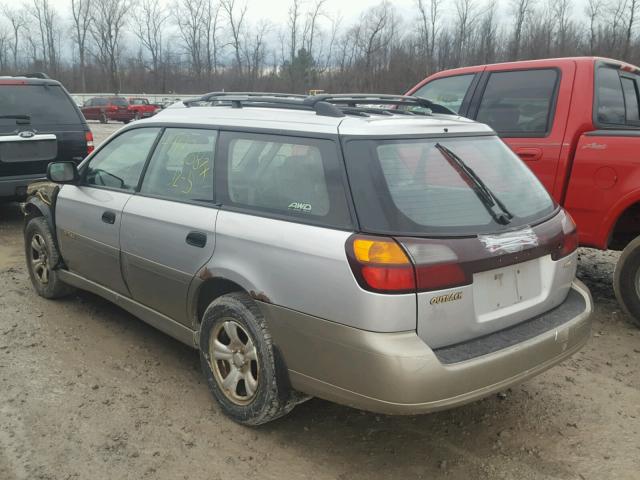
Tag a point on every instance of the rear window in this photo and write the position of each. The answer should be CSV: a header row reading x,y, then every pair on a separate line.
x,y
448,92
46,104
120,101
610,97
408,187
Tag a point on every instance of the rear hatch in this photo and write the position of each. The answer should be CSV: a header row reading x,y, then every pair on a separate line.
x,y
488,246
39,123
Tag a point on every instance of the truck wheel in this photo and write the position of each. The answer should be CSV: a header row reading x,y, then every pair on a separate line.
x,y
103,118
42,257
136,116
240,362
626,280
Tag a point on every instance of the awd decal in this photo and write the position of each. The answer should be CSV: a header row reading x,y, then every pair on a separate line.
x,y
300,207
449,297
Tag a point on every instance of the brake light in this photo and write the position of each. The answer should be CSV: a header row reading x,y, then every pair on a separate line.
x,y
88,136
439,276
569,238
380,265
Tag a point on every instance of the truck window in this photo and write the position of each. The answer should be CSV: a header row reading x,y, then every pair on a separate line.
x,y
448,92
519,103
630,90
610,97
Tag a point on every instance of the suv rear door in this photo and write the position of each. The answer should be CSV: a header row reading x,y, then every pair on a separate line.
x,y
52,127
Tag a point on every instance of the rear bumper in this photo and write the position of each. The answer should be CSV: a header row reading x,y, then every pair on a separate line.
x,y
16,186
397,373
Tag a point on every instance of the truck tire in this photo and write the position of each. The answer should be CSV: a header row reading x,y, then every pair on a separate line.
x,y
626,280
241,364
42,258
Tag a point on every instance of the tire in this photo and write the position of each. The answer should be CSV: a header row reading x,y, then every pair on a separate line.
x,y
136,116
270,396
626,280
42,258
103,118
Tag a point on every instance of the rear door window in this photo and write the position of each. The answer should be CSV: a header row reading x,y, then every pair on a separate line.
x,y
630,90
519,103
448,92
290,176
45,104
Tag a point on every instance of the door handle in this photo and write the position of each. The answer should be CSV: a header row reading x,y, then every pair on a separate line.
x,y
529,154
109,217
196,239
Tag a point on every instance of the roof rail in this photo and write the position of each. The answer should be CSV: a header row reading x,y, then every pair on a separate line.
x,y
41,75
337,105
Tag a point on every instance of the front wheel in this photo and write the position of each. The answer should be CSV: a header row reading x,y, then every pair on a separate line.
x,y
240,362
626,280
42,258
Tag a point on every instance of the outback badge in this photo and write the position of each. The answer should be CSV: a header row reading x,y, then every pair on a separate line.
x,y
449,297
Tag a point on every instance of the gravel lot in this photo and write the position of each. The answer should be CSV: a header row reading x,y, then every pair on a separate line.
x,y
89,392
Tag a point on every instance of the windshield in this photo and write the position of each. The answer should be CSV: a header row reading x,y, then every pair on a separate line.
x,y
409,187
45,104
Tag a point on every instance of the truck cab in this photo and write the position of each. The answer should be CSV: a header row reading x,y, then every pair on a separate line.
x,y
575,122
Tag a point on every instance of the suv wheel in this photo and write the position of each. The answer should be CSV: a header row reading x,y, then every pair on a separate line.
x,y
42,257
240,362
103,118
626,280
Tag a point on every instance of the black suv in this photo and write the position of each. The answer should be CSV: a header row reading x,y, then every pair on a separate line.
x,y
39,123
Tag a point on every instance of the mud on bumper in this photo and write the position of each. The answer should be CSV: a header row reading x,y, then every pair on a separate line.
x,y
397,373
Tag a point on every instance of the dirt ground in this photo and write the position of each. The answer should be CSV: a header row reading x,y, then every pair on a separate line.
x,y
89,392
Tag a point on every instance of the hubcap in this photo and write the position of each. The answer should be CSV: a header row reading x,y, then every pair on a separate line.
x,y
39,259
234,361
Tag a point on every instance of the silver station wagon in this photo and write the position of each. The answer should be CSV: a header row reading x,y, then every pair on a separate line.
x,y
376,251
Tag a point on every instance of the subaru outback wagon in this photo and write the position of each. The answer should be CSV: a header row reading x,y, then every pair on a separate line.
x,y
374,251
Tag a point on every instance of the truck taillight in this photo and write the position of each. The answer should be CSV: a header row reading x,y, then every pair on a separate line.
x,y
569,242
89,138
380,265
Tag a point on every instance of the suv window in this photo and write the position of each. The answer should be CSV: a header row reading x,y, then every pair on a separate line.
x,y
46,104
519,102
610,97
182,165
120,162
448,92
630,90
119,101
290,176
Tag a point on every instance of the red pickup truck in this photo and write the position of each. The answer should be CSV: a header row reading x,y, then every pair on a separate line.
x,y
576,123
141,107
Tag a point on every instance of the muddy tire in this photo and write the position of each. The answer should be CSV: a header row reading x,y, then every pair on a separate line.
x,y
103,118
42,258
241,364
626,280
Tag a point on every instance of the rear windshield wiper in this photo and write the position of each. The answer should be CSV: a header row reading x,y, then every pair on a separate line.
x,y
25,118
493,205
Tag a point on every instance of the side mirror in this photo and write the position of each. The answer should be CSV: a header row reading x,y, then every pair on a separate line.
x,y
62,172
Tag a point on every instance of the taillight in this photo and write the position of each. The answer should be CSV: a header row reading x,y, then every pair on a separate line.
x,y
569,238
88,136
380,265
441,275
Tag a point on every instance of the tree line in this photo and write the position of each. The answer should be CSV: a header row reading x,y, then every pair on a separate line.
x,y
191,46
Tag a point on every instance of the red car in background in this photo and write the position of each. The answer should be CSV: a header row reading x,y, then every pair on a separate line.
x,y
142,108
575,122
108,108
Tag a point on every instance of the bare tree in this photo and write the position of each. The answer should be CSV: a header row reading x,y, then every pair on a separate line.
x,y
465,20
593,10
150,16
631,22
520,12
188,15
210,32
46,19
106,30
235,18
17,18
82,18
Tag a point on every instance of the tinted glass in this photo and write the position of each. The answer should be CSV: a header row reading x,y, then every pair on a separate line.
x,y
610,97
45,104
98,102
448,92
286,175
630,99
119,101
182,165
120,162
408,187
519,102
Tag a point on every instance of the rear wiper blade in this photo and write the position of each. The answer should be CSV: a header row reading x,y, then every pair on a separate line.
x,y
25,117
492,203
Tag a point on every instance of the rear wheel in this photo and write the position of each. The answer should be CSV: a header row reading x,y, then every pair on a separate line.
x,y
103,118
42,258
240,362
626,280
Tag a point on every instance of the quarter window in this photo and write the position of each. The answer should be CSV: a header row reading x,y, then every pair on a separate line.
x,y
448,92
120,162
630,90
520,102
182,165
610,97
287,176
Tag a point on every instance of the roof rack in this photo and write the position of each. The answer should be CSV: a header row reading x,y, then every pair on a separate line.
x,y
329,105
40,75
